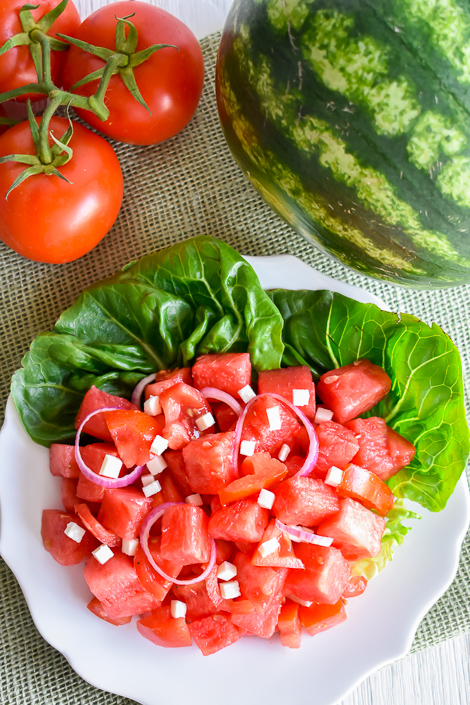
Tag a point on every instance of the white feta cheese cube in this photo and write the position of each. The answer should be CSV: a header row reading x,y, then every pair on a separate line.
x,y
304,603
246,393
247,448
152,488
333,476
152,406
300,397
322,540
266,499
159,445
177,609
204,422
74,531
230,590
130,546
268,547
147,479
323,414
274,418
111,466
226,571
284,452
103,554
195,499
157,464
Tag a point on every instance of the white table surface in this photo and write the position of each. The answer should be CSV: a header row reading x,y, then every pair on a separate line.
x,y
439,675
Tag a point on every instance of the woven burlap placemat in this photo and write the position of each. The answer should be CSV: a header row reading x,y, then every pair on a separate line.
x,y
190,185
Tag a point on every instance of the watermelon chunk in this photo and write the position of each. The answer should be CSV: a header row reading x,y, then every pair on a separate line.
x,y
164,630
213,633
242,521
228,372
97,399
285,380
337,446
123,510
304,500
185,538
325,577
381,450
209,462
356,530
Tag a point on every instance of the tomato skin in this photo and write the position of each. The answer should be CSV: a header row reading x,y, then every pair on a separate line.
x,y
16,65
170,81
48,220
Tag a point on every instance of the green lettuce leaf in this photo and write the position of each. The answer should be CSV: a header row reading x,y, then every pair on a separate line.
x,y
324,329
196,297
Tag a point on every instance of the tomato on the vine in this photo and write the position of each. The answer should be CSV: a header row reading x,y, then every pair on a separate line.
x,y
47,219
170,81
16,65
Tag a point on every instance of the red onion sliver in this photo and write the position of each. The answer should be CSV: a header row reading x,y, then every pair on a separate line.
x,y
299,534
219,395
312,455
147,524
137,393
107,482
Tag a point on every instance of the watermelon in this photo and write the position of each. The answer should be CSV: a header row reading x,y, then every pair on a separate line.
x,y
351,120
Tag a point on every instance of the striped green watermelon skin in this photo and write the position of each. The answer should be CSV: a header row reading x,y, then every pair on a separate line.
x,y
352,120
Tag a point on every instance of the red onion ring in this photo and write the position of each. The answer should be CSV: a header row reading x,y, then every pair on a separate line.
x,y
219,395
147,524
295,532
137,393
107,482
312,455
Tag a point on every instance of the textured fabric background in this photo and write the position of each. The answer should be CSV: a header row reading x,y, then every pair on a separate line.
x,y
190,185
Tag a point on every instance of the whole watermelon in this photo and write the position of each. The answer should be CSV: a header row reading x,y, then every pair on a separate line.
x,y
351,118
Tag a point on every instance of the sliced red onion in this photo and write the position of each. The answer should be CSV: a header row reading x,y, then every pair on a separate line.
x,y
219,395
107,482
312,455
297,533
137,393
147,524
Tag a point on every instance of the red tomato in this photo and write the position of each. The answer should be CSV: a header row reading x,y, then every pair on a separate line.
x,y
47,219
364,485
170,81
98,399
16,65
133,433
318,618
289,625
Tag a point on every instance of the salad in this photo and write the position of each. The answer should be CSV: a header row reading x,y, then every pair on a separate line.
x,y
200,297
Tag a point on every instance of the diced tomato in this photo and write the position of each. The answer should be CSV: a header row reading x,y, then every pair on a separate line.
x,y
263,587
116,585
367,488
244,520
228,372
263,472
166,379
337,446
175,461
304,500
325,576
318,618
182,405
97,608
256,426
284,381
209,462
152,581
170,489
356,586
213,633
133,432
356,530
97,399
93,456
353,389
123,511
289,625
62,460
63,549
381,450
282,557
225,416
163,629
94,527
185,538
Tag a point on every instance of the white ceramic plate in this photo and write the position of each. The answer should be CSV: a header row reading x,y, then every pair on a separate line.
x,y
380,627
